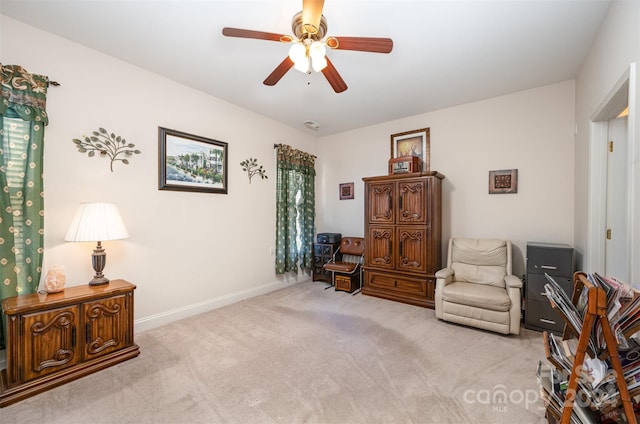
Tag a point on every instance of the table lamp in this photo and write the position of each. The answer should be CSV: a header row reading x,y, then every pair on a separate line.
x,y
97,222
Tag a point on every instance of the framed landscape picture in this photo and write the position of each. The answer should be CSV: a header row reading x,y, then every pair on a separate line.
x,y
412,143
188,162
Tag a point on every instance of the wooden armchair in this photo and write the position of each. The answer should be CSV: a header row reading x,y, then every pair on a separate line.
x,y
346,265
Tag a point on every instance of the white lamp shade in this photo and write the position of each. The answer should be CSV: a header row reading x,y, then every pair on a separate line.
x,y
297,52
96,222
319,63
302,65
317,49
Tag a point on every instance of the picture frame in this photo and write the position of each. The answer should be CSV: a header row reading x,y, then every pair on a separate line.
x,y
413,143
346,191
503,181
188,162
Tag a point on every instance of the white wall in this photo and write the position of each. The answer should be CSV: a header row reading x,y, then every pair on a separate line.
x,y
530,130
187,252
616,46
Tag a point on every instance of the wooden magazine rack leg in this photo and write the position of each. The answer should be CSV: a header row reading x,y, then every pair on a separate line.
x,y
596,308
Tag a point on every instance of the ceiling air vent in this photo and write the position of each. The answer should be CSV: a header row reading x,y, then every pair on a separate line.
x,y
312,125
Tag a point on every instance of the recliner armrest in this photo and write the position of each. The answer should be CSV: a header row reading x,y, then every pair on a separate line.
x,y
513,282
444,277
444,273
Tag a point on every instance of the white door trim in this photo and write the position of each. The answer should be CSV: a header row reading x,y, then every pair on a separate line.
x,y
621,95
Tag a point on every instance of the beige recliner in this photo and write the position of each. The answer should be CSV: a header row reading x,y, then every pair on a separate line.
x,y
477,287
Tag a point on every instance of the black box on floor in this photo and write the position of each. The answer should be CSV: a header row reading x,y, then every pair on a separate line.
x,y
329,237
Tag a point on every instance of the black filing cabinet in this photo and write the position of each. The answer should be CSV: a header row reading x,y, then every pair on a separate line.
x,y
322,253
557,260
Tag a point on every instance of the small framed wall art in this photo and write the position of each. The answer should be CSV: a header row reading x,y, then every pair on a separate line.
x,y
346,191
190,162
503,181
413,143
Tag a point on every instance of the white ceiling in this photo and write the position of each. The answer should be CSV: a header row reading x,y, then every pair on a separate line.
x,y
445,52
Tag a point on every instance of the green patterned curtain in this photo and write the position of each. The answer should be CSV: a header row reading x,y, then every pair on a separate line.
x,y
23,117
296,209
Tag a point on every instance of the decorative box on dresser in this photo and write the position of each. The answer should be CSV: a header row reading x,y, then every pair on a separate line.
x,y
322,253
55,338
558,261
403,236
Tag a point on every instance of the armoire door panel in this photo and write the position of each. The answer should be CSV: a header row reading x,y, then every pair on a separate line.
x,y
379,250
381,203
412,202
105,326
412,252
50,341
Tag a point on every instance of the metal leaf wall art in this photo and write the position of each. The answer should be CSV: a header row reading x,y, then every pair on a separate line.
x,y
108,145
252,168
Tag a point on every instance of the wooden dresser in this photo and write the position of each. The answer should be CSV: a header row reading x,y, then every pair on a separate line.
x,y
403,234
55,338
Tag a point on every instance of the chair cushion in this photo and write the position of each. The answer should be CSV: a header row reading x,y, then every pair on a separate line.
x,y
345,267
485,275
482,261
482,252
477,295
352,246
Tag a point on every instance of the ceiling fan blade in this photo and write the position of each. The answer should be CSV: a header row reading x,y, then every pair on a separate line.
x,y
311,14
334,78
258,35
362,44
279,72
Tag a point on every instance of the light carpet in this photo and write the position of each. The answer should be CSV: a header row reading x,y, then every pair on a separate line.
x,y
304,354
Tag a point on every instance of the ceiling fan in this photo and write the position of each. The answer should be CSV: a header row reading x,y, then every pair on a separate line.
x,y
308,49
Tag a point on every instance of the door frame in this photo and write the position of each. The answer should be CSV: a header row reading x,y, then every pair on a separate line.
x,y
622,94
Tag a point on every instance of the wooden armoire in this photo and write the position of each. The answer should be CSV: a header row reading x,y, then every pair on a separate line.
x,y
403,232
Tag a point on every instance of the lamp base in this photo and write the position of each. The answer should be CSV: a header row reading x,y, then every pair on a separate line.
x,y
98,281
98,260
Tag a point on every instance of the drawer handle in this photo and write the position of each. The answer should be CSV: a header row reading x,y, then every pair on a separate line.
x,y
547,321
548,267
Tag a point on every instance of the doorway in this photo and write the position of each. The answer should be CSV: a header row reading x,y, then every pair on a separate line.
x,y
616,258
611,232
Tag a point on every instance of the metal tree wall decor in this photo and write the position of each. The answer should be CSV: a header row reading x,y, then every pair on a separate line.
x,y
251,166
108,145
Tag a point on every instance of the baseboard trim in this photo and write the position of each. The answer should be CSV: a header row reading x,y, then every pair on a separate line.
x,y
163,318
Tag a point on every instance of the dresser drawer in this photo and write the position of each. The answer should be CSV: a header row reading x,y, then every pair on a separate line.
x,y
401,284
536,283
541,316
554,259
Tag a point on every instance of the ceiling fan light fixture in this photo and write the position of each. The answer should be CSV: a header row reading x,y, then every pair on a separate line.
x,y
302,65
318,63
297,52
307,52
299,55
317,51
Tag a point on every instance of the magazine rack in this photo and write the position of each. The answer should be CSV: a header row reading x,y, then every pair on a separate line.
x,y
596,309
